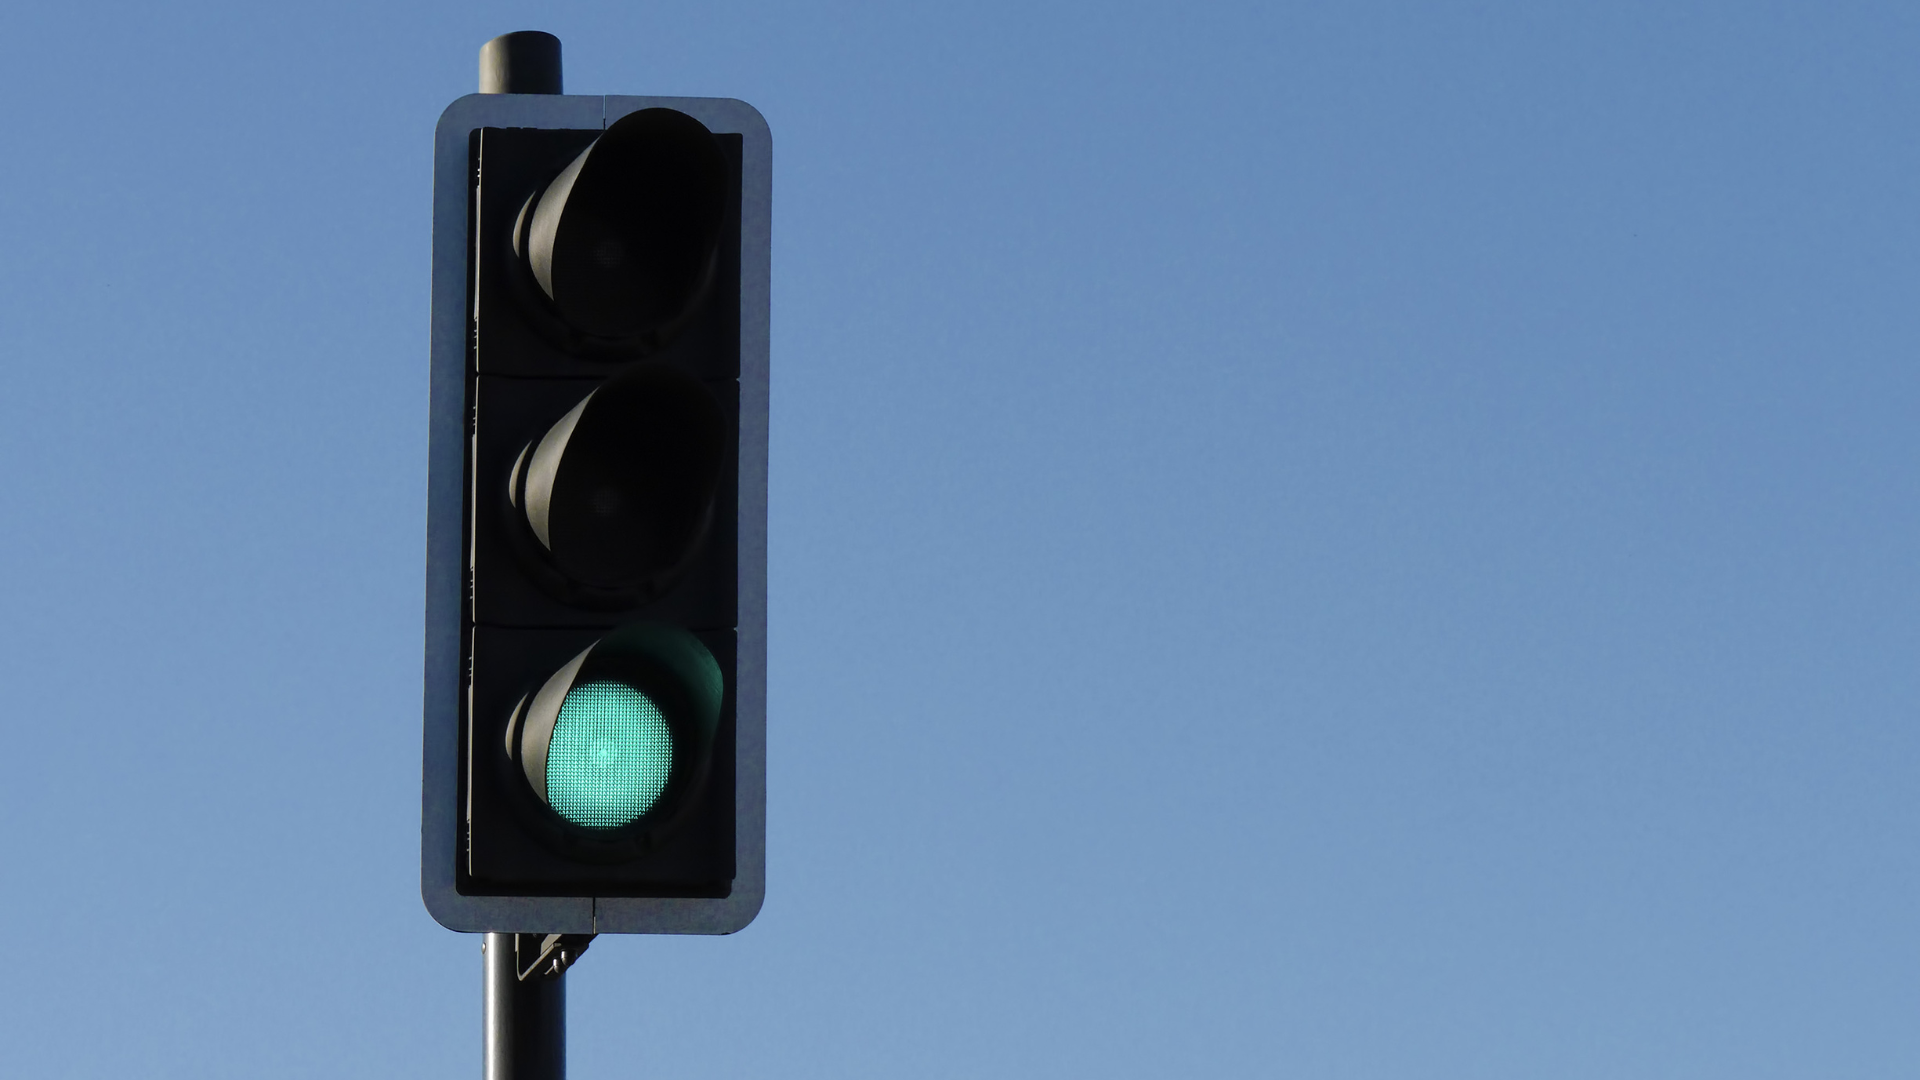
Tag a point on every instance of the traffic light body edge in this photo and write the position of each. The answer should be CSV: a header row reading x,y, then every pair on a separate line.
x,y
447,559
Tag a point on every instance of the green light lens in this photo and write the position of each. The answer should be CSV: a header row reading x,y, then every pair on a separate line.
x,y
610,756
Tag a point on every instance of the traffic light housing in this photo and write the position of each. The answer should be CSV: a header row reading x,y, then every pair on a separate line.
x,y
594,754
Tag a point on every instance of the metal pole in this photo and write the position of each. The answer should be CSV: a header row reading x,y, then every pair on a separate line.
x,y
525,1010
526,1021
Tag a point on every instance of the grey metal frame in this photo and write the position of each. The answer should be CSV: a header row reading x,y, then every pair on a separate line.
x,y
439,812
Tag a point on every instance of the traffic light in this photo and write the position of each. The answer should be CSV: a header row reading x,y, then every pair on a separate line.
x,y
594,756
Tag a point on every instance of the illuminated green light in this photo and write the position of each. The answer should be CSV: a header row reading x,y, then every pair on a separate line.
x,y
609,757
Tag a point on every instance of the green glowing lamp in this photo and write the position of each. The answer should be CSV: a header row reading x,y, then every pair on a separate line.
x,y
610,756
618,741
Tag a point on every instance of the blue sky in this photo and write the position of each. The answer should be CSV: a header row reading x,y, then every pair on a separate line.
x,y
1347,541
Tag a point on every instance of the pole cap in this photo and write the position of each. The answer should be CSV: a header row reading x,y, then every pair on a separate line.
x,y
523,62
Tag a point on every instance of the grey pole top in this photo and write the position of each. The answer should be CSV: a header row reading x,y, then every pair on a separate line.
x,y
523,62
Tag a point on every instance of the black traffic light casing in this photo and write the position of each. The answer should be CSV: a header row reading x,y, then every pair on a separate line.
x,y
597,515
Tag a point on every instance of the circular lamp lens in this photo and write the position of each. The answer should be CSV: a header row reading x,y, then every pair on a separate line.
x,y
623,241
610,756
620,494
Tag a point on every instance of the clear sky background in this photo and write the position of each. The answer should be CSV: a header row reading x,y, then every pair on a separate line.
x,y
1347,541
